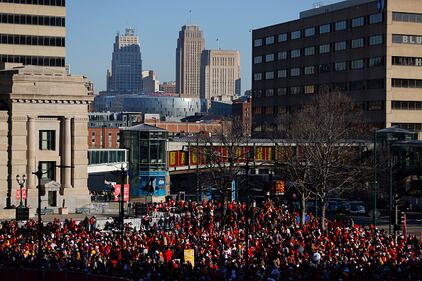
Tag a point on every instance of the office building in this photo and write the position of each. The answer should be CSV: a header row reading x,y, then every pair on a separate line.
x,y
220,75
126,64
44,122
370,50
150,82
168,87
32,34
190,45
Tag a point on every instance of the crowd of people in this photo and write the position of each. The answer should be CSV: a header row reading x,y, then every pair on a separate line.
x,y
278,247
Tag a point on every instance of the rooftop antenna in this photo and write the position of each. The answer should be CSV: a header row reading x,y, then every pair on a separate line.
x,y
190,17
218,43
317,5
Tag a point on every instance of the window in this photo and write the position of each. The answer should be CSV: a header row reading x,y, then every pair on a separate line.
x,y
340,66
309,89
406,83
376,61
282,55
340,46
257,59
281,91
323,49
295,34
358,43
282,73
37,2
295,90
310,32
295,53
309,70
340,87
407,17
269,92
52,198
257,76
407,61
269,58
356,22
341,25
257,43
48,169
375,18
376,40
32,40
269,40
406,105
326,28
309,51
375,84
357,85
282,37
269,75
356,64
295,72
407,39
47,140
323,68
374,105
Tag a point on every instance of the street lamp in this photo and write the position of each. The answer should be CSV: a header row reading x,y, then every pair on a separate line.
x,y
21,181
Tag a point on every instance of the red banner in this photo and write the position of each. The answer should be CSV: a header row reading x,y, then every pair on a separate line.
x,y
18,194
117,193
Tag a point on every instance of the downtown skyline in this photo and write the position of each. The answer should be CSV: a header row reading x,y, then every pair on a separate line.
x,y
90,39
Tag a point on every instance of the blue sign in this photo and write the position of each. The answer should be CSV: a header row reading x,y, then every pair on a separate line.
x,y
151,183
233,190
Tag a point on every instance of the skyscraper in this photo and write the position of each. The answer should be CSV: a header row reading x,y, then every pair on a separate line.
x,y
220,74
32,34
126,64
190,45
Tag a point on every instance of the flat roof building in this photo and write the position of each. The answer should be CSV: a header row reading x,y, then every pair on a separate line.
x,y
370,50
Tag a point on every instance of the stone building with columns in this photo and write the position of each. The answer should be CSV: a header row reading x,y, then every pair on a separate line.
x,y
44,121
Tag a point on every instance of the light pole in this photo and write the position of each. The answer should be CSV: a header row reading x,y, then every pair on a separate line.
x,y
374,209
21,181
39,174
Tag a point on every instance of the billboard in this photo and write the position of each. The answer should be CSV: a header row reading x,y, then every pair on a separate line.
x,y
152,183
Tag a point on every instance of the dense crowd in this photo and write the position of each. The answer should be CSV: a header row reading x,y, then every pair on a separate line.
x,y
279,248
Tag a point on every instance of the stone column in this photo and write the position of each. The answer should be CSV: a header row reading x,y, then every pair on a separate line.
x,y
67,155
31,147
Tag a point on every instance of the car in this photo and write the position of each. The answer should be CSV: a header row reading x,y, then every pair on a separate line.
x,y
357,208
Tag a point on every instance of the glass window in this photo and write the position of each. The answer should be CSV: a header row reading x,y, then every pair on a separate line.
x,y
375,84
310,32
323,49
257,59
257,43
295,53
295,90
323,68
326,28
282,37
357,64
269,75
47,140
341,25
281,73
375,18
269,58
269,40
340,46
49,170
295,72
356,22
295,34
340,66
358,43
309,51
309,89
282,55
376,61
407,17
376,40
309,70
257,76
281,91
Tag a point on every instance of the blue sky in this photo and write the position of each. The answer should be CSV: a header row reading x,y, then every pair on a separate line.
x,y
93,24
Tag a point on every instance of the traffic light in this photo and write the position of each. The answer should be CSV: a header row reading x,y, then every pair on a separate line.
x,y
396,199
401,217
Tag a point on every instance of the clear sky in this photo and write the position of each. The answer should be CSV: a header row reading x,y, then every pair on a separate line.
x,y
93,24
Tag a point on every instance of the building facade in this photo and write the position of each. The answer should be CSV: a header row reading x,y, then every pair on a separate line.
x,y
220,75
150,82
367,49
190,45
168,87
126,64
44,123
32,34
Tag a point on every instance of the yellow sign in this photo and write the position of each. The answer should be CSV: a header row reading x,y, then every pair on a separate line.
x,y
189,256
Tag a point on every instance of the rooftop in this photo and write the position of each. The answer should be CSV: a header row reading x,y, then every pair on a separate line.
x,y
334,7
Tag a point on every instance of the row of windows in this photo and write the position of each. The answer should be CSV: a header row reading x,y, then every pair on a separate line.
x,y
407,61
61,3
322,29
409,126
32,40
406,105
406,83
321,49
31,19
321,68
34,60
407,17
373,84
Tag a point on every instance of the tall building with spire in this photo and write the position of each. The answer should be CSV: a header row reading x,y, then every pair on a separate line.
x,y
126,64
190,45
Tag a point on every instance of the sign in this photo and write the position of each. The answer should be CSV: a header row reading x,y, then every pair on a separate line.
x,y
117,193
407,39
233,190
189,256
18,194
279,187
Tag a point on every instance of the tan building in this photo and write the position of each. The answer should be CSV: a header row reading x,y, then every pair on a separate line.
x,y
220,75
369,49
150,82
168,87
190,45
32,34
44,121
